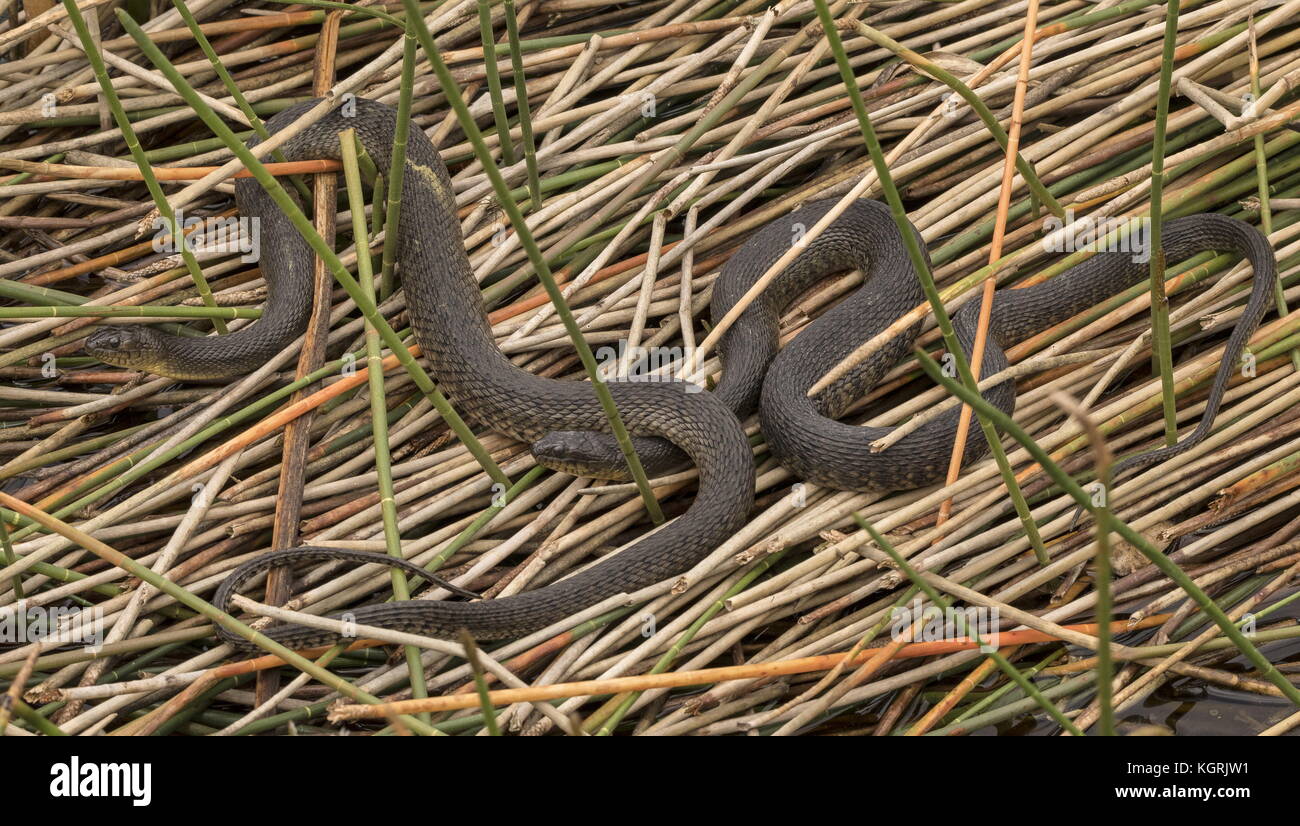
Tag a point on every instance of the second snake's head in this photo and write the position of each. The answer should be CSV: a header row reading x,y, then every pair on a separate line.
x,y
135,347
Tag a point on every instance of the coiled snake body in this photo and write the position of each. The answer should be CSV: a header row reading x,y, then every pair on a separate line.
x,y
565,422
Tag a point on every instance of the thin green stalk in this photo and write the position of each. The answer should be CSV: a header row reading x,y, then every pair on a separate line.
x,y
1261,172
377,218
502,497
23,177
960,622
922,270
12,469
673,155
347,7
236,93
49,662
1084,681
58,574
137,152
364,302
1065,688
1105,607
36,720
1073,21
189,600
126,470
378,401
267,107
521,105
36,294
1161,346
967,94
1255,616
470,128
10,557
1103,459
885,621
393,206
1001,691
1137,540
494,82
480,684
615,712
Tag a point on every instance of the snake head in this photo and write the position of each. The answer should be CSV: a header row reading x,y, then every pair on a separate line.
x,y
136,347
580,453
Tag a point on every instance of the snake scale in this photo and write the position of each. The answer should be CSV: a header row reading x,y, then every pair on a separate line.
x,y
566,424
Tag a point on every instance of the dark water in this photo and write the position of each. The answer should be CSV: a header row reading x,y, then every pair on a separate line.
x,y
1183,706
1191,707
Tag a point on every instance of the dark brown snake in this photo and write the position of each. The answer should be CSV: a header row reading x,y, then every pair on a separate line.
x,y
565,422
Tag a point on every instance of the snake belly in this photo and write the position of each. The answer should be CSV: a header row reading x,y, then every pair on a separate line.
x,y
803,432
449,323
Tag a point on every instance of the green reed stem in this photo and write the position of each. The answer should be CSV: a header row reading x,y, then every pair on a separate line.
x,y
1265,207
137,152
1161,346
1001,691
967,94
1102,462
211,612
36,720
378,400
348,7
494,82
1137,540
36,294
962,627
480,683
617,708
236,93
393,206
138,311
521,105
1066,688
922,269
126,470
47,458
1105,607
501,496
10,557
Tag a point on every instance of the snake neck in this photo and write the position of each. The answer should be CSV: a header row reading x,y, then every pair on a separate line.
x,y
448,318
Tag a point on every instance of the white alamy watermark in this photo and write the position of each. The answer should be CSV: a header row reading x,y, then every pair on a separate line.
x,y
1103,234
945,624
74,778
647,364
216,235
21,624
645,102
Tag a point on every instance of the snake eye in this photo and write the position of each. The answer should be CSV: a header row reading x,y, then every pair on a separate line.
x,y
562,447
119,343
104,340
